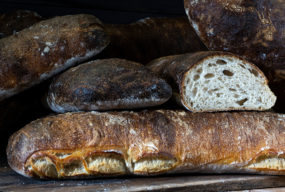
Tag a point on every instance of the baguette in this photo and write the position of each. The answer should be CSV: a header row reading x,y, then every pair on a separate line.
x,y
83,144
150,38
215,81
105,85
47,48
14,21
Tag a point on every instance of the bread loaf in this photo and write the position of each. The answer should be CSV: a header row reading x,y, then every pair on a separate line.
x,y
107,84
252,29
150,38
47,48
15,21
215,81
148,143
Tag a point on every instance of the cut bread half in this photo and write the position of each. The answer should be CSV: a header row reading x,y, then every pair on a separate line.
x,y
216,81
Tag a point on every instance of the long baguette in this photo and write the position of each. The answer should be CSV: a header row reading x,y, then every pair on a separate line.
x,y
82,144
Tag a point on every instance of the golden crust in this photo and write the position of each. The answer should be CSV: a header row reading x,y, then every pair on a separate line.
x,y
149,142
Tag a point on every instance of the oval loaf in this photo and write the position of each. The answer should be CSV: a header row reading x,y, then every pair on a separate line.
x,y
105,85
150,38
47,48
73,145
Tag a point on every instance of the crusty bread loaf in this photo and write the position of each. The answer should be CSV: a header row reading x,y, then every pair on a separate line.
x,y
46,48
150,38
215,81
14,21
253,29
149,142
105,85
249,28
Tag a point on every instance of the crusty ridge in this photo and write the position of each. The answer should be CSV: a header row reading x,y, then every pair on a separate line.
x,y
149,142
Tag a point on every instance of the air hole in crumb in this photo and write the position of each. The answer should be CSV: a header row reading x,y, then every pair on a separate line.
x,y
213,90
236,96
242,66
241,102
237,85
218,94
211,65
199,70
259,100
231,89
194,92
196,77
209,75
205,89
221,62
227,73
254,72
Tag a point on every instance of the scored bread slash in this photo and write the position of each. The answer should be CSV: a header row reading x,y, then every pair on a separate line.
x,y
93,144
105,85
47,48
215,81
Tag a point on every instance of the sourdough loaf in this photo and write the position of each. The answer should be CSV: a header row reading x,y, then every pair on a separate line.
x,y
150,38
250,28
82,144
215,81
47,48
253,29
105,85
15,21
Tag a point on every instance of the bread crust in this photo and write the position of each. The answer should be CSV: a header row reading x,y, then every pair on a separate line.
x,y
151,38
47,48
149,142
18,20
252,29
175,68
105,85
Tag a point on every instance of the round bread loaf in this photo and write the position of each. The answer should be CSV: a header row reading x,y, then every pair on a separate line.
x,y
251,28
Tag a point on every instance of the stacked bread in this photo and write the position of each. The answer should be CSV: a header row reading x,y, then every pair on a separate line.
x,y
118,116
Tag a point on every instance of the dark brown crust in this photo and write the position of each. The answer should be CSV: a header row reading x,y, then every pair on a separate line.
x,y
107,84
253,29
196,141
150,38
46,48
15,21
174,68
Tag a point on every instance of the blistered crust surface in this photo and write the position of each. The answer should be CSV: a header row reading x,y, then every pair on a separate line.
x,y
149,142
107,84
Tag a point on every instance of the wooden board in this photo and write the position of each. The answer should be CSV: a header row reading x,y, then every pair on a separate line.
x,y
11,181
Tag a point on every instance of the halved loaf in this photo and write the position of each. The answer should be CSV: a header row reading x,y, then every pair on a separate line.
x,y
85,144
215,81
47,48
105,85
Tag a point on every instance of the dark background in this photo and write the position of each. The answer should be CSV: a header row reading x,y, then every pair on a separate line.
x,y
109,11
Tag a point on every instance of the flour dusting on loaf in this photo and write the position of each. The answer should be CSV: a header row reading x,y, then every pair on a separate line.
x,y
92,144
